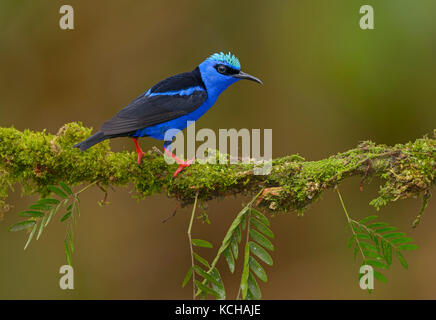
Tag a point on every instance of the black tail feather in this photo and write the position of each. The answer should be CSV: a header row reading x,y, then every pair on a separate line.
x,y
92,140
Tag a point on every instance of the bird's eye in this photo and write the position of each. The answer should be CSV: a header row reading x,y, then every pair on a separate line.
x,y
221,69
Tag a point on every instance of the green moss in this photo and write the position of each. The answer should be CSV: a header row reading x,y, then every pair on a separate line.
x,y
35,160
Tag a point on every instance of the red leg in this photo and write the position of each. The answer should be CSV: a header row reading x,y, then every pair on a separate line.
x,y
182,164
138,150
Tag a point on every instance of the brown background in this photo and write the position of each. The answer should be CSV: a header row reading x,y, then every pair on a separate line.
x,y
328,85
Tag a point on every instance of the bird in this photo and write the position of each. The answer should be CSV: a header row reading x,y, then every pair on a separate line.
x,y
171,104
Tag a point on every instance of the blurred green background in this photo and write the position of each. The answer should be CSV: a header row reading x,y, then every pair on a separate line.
x,y
328,85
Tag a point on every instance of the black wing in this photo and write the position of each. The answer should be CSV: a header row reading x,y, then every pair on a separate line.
x,y
148,110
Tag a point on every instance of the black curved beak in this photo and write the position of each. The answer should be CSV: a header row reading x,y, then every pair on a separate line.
x,y
246,76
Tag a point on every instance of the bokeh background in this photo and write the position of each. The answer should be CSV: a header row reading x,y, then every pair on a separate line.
x,y
328,85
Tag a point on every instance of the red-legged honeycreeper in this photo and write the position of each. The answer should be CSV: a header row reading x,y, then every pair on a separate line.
x,y
171,103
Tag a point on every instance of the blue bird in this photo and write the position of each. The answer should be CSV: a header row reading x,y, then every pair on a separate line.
x,y
171,103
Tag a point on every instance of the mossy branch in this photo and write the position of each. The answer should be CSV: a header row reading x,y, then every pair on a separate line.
x,y
38,159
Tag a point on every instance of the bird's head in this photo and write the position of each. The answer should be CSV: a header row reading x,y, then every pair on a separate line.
x,y
221,70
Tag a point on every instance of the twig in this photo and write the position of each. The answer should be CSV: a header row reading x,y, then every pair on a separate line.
x,y
173,214
190,245
365,175
215,261
158,151
425,199
350,223
222,248
247,239
85,188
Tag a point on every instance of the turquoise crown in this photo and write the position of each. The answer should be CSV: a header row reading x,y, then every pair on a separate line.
x,y
229,58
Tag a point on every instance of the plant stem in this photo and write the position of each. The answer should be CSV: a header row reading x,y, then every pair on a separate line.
x,y
350,223
427,196
372,232
220,250
246,244
86,188
190,245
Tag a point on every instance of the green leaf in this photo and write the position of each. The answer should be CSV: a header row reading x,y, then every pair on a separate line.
x,y
237,234
394,235
377,225
249,296
52,213
376,264
407,247
205,275
356,249
401,240
368,246
363,236
386,229
76,206
187,277
67,252
402,260
257,269
66,188
253,287
351,241
240,218
203,295
42,207
31,235
261,253
234,246
387,252
70,239
358,229
202,243
245,272
234,227
365,220
262,228
218,288
48,201
57,191
31,213
244,221
41,227
23,225
260,239
66,216
201,260
229,258
374,238
372,254
69,207
380,276
206,289
260,216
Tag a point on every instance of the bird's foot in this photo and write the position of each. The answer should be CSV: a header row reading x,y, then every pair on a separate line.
x,y
139,151
182,165
140,155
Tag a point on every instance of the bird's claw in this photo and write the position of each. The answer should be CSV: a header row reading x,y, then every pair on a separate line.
x,y
140,155
182,165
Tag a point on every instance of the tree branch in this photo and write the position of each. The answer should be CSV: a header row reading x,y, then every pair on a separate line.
x,y
38,159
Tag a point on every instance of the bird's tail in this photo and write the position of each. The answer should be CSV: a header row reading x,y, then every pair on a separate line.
x,y
88,143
